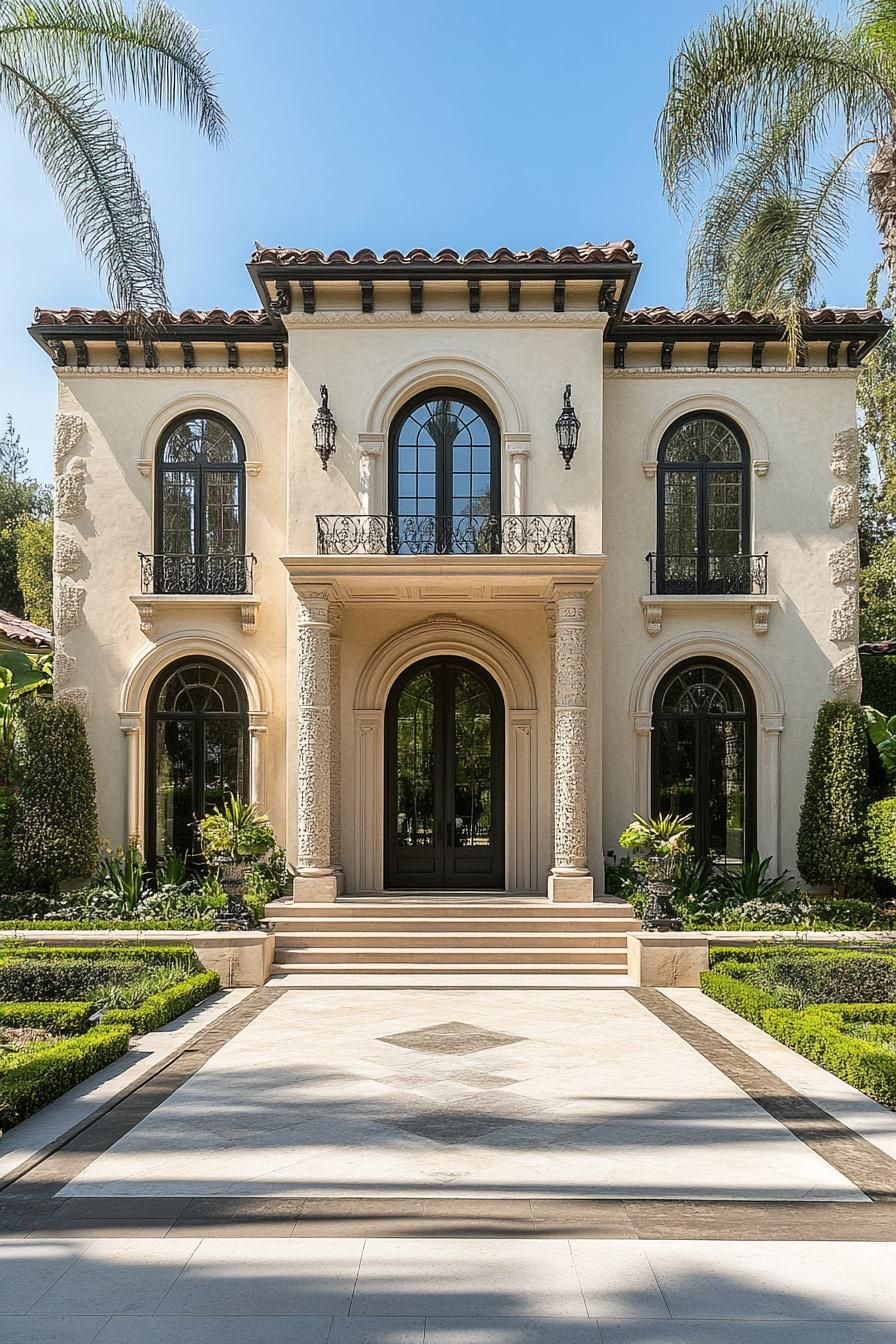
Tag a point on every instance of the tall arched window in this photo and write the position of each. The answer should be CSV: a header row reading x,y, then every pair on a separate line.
x,y
200,507
445,475
704,756
198,738
703,527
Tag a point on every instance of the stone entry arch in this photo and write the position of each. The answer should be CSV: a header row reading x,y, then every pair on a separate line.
x,y
447,636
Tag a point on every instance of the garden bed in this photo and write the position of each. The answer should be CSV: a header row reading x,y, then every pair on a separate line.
x,y
836,1007
67,1011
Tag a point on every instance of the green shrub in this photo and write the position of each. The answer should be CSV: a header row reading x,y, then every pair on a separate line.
x,y
34,971
842,977
879,683
747,1000
180,954
34,569
831,838
126,925
29,1081
880,845
819,1036
55,834
163,1007
65,1019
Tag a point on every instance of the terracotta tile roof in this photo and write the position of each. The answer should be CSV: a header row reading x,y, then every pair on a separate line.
x,y
24,632
587,253
190,317
717,317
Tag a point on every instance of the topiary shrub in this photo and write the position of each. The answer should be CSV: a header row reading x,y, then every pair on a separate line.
x,y
55,834
880,845
879,682
831,838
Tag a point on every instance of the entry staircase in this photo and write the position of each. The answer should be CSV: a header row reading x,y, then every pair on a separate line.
x,y
451,935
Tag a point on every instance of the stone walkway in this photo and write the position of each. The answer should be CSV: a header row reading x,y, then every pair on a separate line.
x,y
468,1167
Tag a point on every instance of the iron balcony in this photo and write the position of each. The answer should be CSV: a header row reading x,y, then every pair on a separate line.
x,y
428,534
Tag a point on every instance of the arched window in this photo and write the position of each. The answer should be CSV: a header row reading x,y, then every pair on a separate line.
x,y
704,509
445,475
198,737
200,507
704,756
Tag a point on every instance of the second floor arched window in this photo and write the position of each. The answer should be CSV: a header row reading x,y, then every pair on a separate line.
x,y
703,524
200,524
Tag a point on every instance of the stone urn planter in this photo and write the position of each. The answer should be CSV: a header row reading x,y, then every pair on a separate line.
x,y
232,874
659,916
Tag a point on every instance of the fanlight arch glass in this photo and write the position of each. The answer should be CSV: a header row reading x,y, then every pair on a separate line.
x,y
444,476
704,756
198,737
703,520
200,501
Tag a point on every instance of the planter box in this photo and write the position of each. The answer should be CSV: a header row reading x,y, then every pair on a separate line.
x,y
242,960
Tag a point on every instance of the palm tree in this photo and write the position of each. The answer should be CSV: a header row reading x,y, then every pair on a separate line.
x,y
777,111
58,59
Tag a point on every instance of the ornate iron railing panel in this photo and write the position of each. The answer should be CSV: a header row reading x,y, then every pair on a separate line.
x,y
705,574
425,534
196,574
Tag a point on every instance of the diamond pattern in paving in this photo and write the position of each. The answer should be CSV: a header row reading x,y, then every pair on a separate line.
x,y
451,1038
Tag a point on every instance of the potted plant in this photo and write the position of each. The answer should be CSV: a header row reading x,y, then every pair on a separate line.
x,y
233,837
658,846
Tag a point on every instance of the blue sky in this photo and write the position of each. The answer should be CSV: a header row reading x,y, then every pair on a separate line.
x,y
387,124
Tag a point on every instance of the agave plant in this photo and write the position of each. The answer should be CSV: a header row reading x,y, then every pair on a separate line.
x,y
751,882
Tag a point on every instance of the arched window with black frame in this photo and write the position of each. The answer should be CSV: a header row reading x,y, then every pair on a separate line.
x,y
703,503
704,756
445,475
197,731
200,522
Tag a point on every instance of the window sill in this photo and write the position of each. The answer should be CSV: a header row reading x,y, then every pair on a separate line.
x,y
758,604
150,604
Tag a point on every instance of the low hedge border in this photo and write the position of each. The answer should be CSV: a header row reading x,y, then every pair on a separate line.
x,y
66,1019
816,1033
164,952
761,951
28,1082
125,925
166,1005
741,998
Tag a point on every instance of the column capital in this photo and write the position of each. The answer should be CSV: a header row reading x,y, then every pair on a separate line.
x,y
371,445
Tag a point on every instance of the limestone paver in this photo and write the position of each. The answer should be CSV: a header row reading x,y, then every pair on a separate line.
x,y
598,1098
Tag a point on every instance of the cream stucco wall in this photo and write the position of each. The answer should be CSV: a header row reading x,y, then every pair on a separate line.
x,y
519,367
790,420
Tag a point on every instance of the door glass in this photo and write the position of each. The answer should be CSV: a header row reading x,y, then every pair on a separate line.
x,y
725,790
677,756
680,502
472,762
174,786
222,513
223,764
415,733
178,512
724,522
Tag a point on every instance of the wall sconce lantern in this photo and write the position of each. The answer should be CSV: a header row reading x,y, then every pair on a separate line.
x,y
324,427
568,426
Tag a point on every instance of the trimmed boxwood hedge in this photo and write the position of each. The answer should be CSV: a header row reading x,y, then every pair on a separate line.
x,y
165,952
747,1000
65,1019
30,1080
817,1033
111,925
167,1004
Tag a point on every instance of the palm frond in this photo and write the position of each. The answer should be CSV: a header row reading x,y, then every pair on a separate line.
x,y
153,55
734,79
85,159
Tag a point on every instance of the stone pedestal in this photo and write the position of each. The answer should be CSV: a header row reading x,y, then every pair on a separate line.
x,y
570,878
667,960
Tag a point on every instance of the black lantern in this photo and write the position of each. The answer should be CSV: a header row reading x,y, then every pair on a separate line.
x,y
324,427
568,426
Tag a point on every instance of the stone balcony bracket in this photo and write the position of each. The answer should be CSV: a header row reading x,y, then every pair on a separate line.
x,y
150,605
654,608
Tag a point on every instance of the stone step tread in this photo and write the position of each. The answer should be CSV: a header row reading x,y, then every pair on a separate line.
x,y
453,957
447,968
449,910
446,978
490,935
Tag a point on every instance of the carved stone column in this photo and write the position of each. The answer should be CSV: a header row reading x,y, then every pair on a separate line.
x,y
570,878
316,880
517,448
257,734
130,726
336,742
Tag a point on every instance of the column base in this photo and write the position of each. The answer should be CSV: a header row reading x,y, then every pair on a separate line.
x,y
562,890
324,888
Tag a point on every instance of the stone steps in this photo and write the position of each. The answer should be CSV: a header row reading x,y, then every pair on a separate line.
x,y
447,936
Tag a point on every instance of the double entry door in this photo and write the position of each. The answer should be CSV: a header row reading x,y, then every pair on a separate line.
x,y
444,778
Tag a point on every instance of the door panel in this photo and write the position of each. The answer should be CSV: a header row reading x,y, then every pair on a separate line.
x,y
444,779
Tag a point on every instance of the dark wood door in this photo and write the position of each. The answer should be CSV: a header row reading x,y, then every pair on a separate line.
x,y
444,778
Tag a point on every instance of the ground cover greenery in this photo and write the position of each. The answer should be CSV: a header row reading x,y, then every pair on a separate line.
x,y
67,1011
836,1006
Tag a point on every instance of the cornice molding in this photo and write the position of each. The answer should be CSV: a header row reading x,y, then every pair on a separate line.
x,y
450,318
775,371
166,370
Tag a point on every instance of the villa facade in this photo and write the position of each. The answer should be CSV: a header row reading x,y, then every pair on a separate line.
x,y
535,560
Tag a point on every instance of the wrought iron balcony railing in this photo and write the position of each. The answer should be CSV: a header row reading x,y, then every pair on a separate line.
x,y
706,574
196,574
426,534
